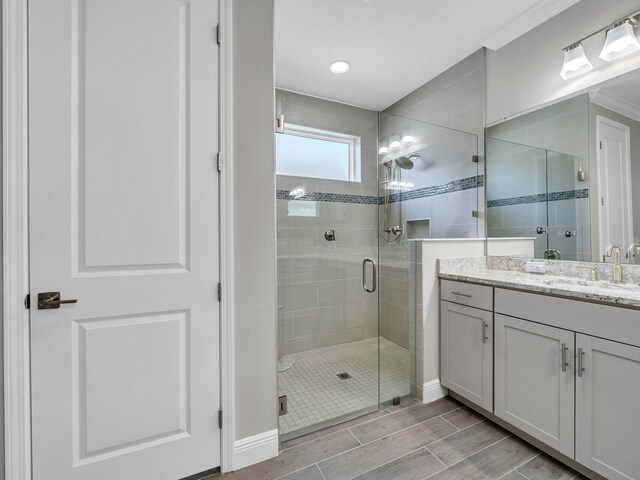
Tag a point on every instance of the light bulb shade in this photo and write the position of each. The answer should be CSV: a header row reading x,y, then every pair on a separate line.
x,y
620,41
575,63
408,139
383,149
394,143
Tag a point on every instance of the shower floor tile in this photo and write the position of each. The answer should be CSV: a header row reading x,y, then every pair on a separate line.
x,y
316,394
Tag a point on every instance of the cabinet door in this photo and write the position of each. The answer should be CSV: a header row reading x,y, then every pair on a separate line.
x,y
535,380
608,408
467,351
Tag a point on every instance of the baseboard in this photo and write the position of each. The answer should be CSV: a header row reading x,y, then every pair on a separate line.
x,y
433,390
255,449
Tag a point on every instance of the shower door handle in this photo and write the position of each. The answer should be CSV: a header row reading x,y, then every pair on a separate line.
x,y
364,275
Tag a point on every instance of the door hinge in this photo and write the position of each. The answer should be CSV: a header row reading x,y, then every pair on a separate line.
x,y
218,34
280,123
220,418
475,158
602,201
219,162
27,301
219,292
475,213
600,144
282,405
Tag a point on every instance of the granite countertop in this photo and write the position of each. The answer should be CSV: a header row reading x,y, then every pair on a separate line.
x,y
565,279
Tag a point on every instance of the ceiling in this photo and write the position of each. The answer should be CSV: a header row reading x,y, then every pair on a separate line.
x,y
394,46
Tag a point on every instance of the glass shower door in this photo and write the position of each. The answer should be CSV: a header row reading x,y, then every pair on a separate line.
x,y
429,189
516,189
327,237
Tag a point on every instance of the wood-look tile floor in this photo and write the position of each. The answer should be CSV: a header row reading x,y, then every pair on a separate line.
x,y
440,440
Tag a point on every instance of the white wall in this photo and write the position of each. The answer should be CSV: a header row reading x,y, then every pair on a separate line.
x,y
432,250
254,217
526,73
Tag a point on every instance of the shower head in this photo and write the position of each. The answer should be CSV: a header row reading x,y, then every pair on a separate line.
x,y
404,163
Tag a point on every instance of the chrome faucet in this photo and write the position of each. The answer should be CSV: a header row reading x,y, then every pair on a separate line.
x,y
552,254
632,252
617,268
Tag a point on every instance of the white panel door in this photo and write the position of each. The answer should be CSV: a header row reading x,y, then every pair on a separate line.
x,y
467,352
534,380
123,106
607,419
614,183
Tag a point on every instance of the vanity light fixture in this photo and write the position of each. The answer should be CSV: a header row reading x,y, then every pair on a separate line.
x,y
575,62
395,144
340,66
620,40
408,139
383,149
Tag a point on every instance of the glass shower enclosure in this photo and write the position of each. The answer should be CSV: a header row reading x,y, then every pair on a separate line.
x,y
327,213
539,193
357,191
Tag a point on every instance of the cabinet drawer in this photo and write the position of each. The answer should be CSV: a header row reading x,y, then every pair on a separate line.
x,y
613,323
468,294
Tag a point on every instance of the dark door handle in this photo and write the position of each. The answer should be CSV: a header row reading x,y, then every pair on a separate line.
x,y
48,300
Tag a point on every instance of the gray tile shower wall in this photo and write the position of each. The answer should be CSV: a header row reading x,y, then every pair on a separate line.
x,y
320,297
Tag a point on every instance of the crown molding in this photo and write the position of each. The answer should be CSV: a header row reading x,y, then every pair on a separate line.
x,y
527,21
614,103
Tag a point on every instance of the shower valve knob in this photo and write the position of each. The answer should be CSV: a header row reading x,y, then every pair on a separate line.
x,y
330,235
397,230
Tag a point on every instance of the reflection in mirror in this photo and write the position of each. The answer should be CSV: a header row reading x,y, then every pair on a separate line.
x,y
568,174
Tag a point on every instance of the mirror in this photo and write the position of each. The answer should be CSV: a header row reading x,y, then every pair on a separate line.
x,y
568,174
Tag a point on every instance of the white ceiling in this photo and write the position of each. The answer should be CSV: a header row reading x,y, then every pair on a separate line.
x,y
394,46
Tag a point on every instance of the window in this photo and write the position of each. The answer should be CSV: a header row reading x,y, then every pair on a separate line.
x,y
309,152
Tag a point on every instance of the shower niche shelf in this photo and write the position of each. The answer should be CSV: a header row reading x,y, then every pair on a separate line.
x,y
419,228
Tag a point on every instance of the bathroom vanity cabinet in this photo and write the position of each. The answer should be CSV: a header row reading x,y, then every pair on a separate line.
x,y
534,380
467,341
563,371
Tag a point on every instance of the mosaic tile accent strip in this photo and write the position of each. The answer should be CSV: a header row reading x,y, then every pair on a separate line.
x,y
454,186
569,195
541,197
330,197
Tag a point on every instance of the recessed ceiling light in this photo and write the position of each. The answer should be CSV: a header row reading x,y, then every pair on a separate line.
x,y
340,66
